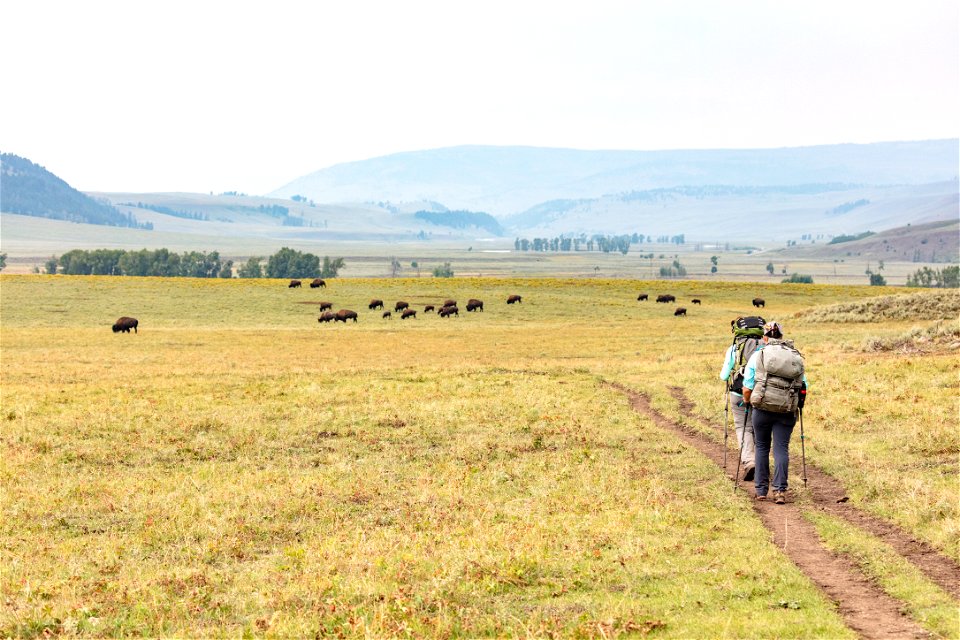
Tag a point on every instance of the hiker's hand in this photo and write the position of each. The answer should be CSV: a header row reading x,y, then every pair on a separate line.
x,y
746,395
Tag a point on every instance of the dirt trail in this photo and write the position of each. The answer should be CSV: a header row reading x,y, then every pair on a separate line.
x,y
864,607
828,494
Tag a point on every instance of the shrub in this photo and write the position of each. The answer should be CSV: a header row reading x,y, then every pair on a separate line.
x,y
798,278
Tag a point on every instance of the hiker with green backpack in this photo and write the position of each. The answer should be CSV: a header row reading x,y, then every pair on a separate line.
x,y
774,385
747,335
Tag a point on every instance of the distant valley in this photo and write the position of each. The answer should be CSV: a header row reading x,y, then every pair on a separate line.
x,y
761,198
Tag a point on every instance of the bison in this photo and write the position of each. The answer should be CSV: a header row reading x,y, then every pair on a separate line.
x,y
449,303
345,314
695,301
513,299
666,297
387,314
428,308
124,324
318,282
642,297
375,304
474,305
759,302
326,316
447,311
326,305
400,306
294,284
681,311
408,313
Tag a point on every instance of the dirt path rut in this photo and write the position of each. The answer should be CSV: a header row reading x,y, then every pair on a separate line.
x,y
828,494
864,607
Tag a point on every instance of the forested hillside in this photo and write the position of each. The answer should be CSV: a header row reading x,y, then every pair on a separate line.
x,y
31,190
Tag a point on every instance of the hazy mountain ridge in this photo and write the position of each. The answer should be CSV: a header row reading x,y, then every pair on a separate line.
x,y
510,180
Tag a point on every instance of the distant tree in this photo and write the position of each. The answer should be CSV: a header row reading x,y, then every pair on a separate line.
x,y
3,261
877,280
798,278
770,268
444,271
331,267
226,269
251,269
290,263
416,265
51,265
394,267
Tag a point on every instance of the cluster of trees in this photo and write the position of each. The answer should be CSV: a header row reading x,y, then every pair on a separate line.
x,y
161,262
675,270
948,277
605,244
848,238
178,213
290,263
797,278
849,206
303,199
461,220
286,263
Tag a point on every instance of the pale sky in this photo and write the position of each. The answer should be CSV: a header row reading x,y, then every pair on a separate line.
x,y
247,96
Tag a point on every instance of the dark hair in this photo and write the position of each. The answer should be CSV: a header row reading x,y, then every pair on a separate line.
x,y
774,332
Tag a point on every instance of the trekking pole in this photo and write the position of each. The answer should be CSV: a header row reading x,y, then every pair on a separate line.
x,y
726,421
743,437
803,451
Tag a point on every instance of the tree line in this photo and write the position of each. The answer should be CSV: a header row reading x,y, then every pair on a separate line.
x,y
285,263
602,243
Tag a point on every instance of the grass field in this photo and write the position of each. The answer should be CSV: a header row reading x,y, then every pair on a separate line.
x,y
237,469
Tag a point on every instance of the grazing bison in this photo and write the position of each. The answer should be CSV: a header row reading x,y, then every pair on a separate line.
x,y
294,284
387,314
695,301
513,299
345,314
642,297
375,304
447,311
124,324
666,297
681,311
449,303
326,305
400,306
428,308
318,282
474,305
408,313
327,316
759,302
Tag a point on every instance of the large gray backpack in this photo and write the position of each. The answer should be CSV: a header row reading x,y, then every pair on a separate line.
x,y
779,377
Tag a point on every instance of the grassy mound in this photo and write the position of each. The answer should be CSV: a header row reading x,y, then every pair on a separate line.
x,y
940,336
925,305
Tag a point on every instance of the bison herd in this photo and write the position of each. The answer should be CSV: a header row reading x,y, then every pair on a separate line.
x,y
447,309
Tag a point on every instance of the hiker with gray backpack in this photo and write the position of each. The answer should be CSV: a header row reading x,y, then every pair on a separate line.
x,y
774,386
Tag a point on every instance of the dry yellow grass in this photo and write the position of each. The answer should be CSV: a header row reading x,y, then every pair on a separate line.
x,y
238,469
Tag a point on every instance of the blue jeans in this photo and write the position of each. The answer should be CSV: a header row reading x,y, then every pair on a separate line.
x,y
778,427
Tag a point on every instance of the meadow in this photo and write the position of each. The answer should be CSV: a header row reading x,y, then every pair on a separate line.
x,y
237,469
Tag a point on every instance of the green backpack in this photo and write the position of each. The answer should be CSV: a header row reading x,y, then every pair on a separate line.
x,y
747,333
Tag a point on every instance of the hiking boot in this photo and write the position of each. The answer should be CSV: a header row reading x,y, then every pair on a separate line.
x,y
748,473
759,497
779,497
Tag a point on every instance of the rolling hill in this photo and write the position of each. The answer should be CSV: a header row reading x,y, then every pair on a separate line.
x,y
505,181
